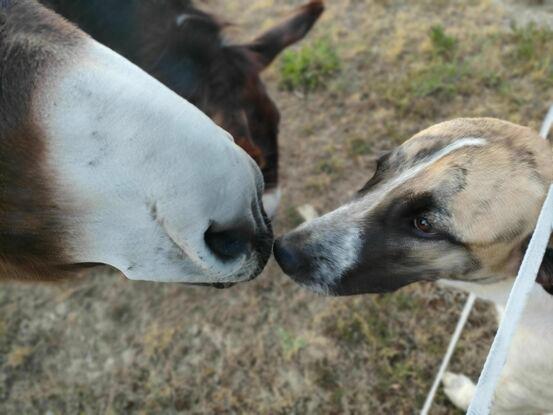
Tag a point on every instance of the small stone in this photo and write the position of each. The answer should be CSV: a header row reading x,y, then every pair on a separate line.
x,y
308,212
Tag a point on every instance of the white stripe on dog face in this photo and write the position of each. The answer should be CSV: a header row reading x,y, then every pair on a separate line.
x,y
419,168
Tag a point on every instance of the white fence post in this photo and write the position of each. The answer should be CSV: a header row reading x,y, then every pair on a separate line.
x,y
547,123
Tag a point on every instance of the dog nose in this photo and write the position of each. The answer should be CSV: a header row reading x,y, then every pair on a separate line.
x,y
288,257
231,243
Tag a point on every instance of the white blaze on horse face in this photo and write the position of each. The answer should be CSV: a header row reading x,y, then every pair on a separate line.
x,y
142,172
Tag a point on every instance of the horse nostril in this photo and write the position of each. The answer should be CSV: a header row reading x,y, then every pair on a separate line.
x,y
231,243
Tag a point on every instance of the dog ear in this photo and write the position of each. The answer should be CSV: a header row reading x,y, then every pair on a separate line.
x,y
545,274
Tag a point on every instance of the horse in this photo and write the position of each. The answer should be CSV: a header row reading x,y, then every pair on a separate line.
x,y
184,48
100,163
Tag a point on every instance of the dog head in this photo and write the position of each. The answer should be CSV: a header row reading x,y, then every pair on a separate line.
x,y
457,201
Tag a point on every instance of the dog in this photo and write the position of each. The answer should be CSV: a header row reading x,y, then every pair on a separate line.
x,y
458,202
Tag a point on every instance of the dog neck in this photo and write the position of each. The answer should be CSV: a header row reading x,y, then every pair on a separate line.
x,y
497,292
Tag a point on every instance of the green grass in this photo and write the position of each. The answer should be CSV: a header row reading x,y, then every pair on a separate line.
x,y
308,68
390,347
438,79
443,45
359,147
317,183
290,343
444,75
531,42
331,166
475,65
532,52
422,91
293,218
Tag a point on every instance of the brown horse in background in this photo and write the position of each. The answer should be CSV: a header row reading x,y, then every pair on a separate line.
x,y
184,48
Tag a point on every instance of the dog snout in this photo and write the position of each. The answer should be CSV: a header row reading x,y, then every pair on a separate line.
x,y
291,258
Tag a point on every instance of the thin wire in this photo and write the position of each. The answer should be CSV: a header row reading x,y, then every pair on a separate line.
x,y
450,350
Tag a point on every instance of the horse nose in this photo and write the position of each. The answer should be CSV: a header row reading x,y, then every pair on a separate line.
x,y
230,243
288,257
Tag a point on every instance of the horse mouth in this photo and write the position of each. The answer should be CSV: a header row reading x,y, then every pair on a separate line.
x,y
217,285
222,285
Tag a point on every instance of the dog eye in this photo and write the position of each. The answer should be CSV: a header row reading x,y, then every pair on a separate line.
x,y
423,225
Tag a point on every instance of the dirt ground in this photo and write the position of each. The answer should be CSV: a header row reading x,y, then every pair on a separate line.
x,y
106,345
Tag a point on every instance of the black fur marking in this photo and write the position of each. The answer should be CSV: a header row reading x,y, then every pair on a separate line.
x,y
545,274
404,209
426,153
522,155
394,256
381,168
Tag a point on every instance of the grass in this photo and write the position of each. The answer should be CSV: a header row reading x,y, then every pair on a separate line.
x,y
532,53
293,218
290,344
317,183
359,147
389,347
18,356
531,43
442,80
308,68
330,166
475,65
442,77
443,45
